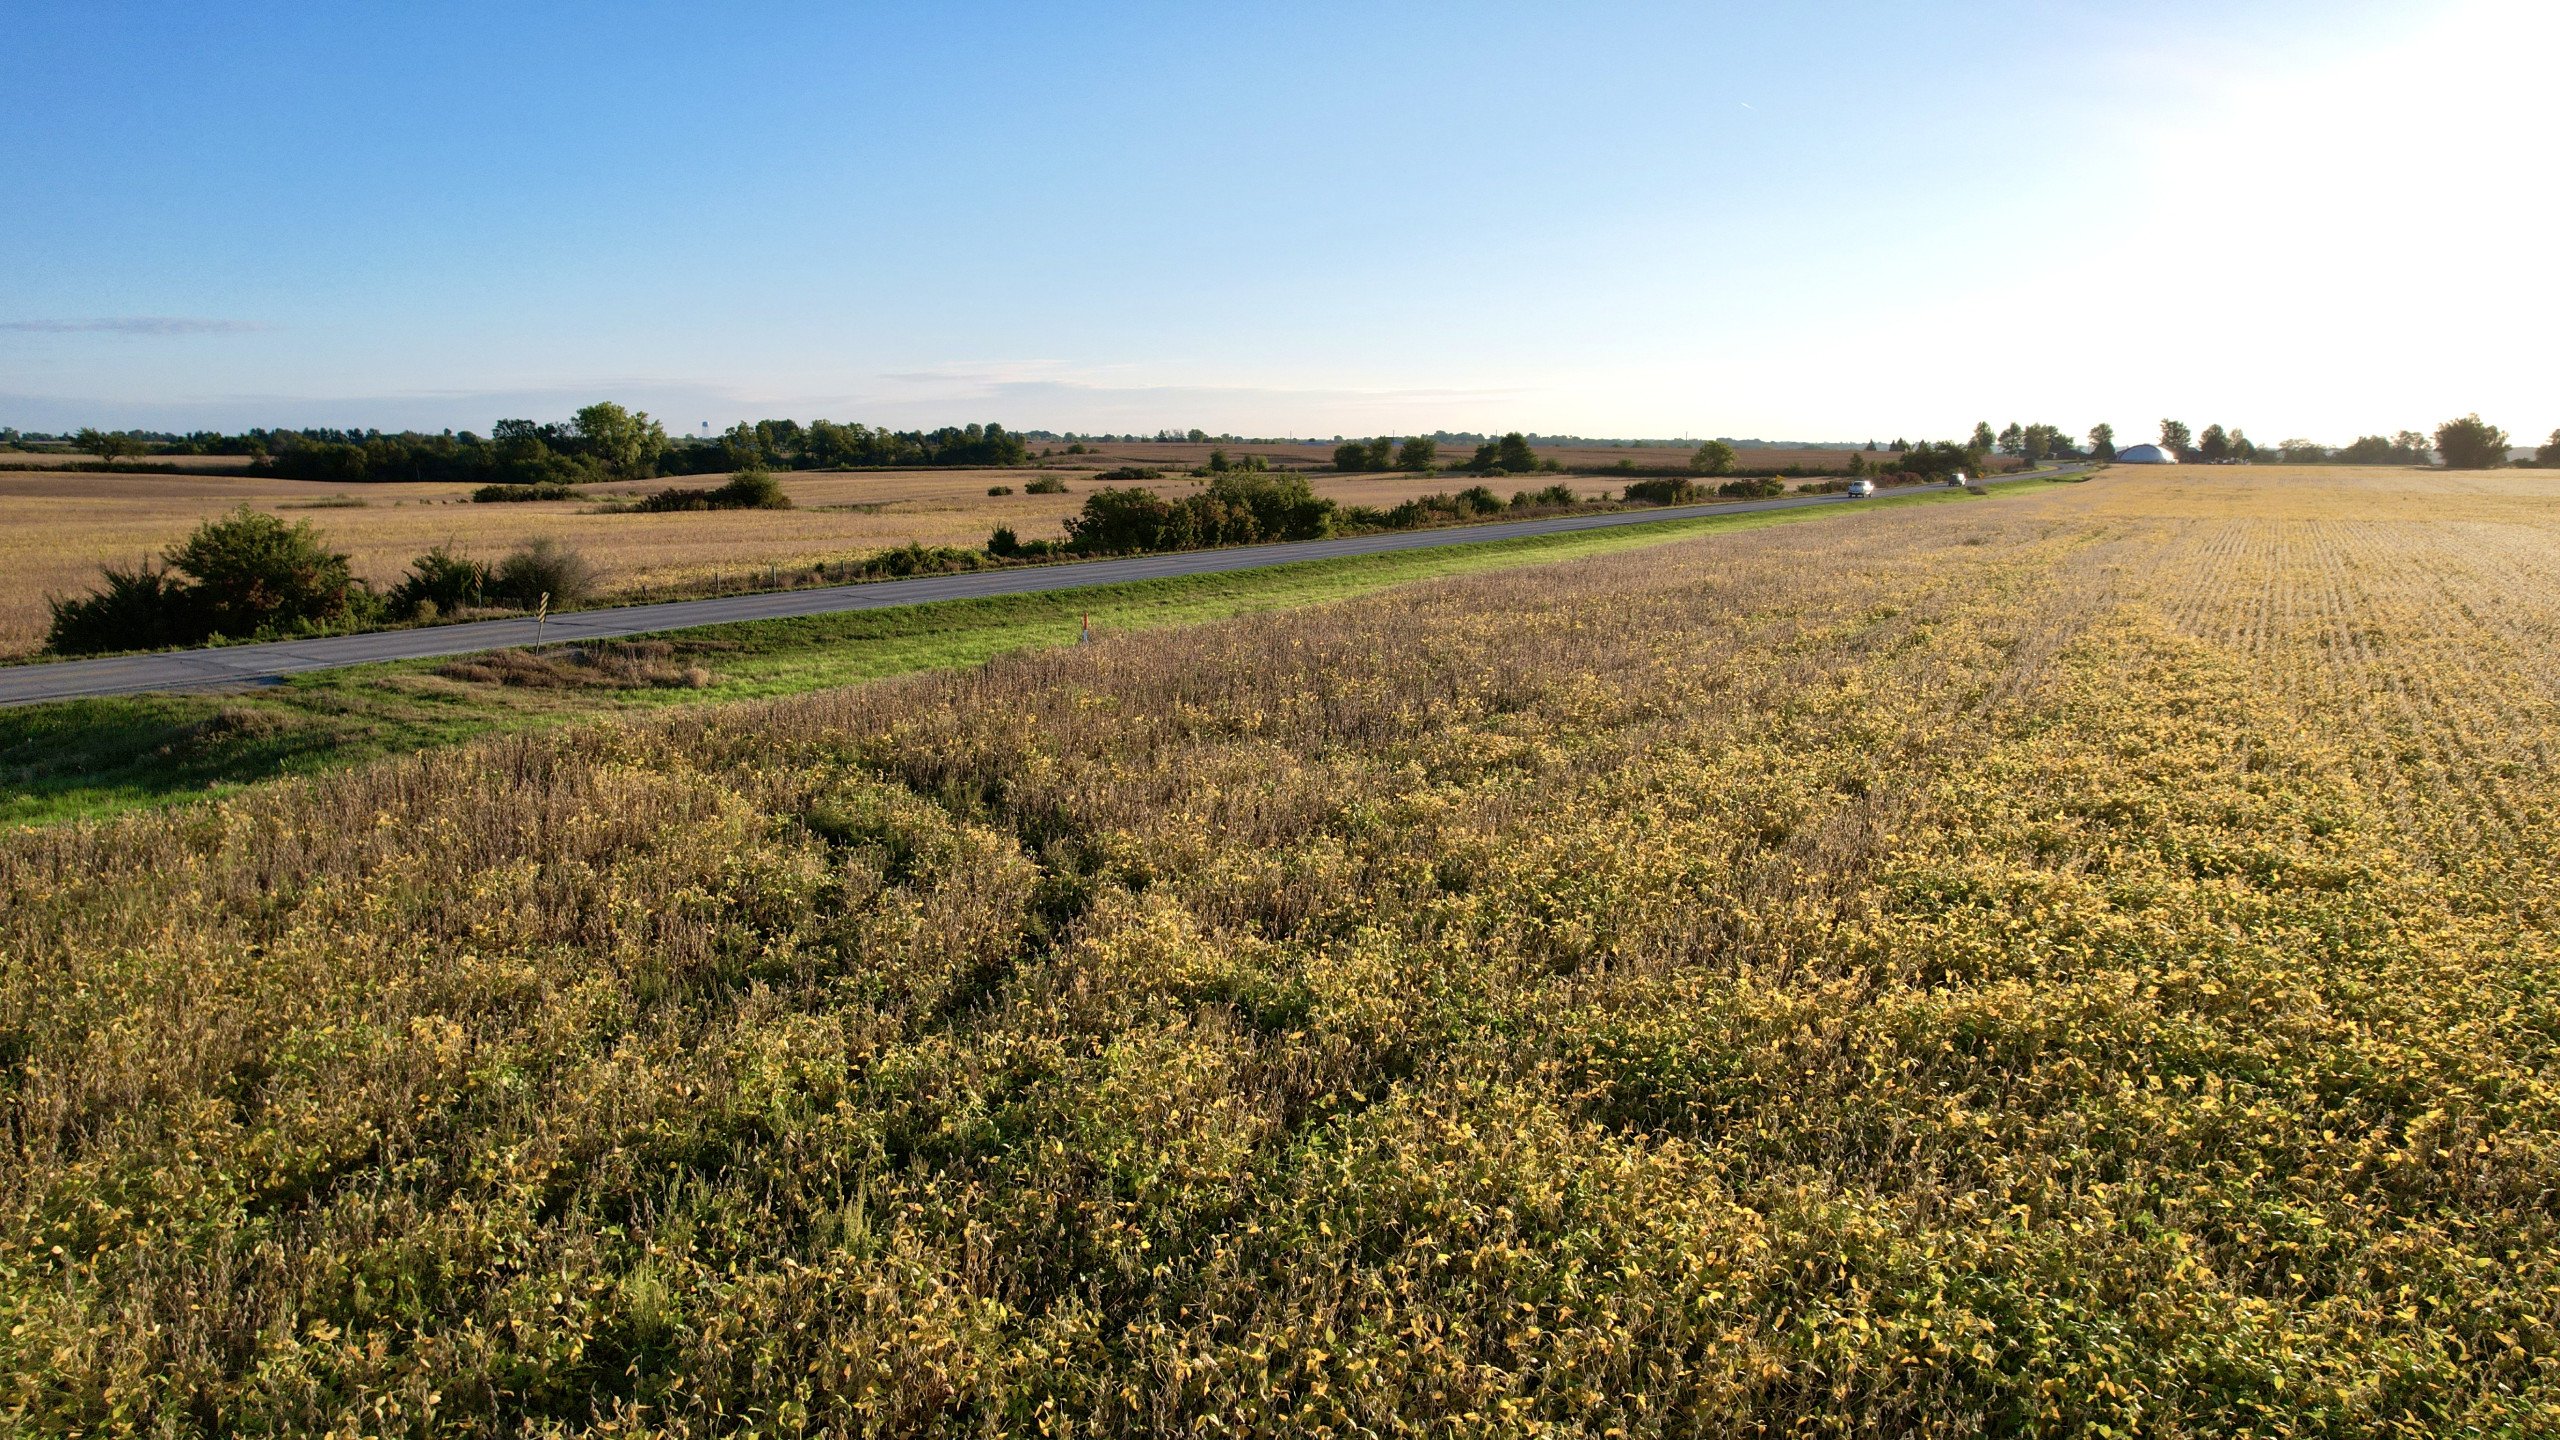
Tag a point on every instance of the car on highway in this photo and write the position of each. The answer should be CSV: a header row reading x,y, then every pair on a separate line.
x,y
1861,489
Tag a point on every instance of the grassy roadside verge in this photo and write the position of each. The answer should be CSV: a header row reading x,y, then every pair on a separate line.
x,y
87,758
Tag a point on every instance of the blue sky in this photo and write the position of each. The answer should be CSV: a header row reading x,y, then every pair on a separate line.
x,y
1818,221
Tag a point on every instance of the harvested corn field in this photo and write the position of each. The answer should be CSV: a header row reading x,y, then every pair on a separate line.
x,y
2078,961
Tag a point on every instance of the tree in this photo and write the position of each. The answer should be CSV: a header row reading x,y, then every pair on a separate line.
x,y
2215,447
1713,458
2303,452
2102,441
1512,453
1382,454
1942,460
2012,441
626,443
108,446
2471,444
253,572
1983,439
1196,435
1418,453
2176,438
2549,454
1351,455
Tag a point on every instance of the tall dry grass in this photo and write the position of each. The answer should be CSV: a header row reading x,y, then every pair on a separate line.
x,y
2016,967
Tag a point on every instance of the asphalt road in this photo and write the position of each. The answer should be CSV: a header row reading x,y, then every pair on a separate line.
x,y
235,666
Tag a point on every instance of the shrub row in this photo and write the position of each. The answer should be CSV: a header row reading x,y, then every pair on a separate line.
x,y
1235,509
249,575
1249,507
516,494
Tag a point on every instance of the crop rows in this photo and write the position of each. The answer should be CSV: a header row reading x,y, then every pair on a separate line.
x,y
2069,964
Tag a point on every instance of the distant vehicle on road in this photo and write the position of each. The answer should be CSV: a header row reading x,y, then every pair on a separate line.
x,y
1861,489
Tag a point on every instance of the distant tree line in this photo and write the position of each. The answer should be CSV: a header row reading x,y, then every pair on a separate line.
x,y
602,442
2465,444
826,445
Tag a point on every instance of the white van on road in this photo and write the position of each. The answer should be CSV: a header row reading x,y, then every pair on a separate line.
x,y
1861,489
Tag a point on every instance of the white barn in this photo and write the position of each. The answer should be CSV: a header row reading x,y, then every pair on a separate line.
x,y
2145,455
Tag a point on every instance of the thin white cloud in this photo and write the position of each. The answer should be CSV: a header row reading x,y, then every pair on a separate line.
x,y
133,325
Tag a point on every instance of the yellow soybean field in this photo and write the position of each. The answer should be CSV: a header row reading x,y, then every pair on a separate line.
x,y
2075,962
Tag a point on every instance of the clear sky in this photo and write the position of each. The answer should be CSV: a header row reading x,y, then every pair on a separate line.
x,y
1819,221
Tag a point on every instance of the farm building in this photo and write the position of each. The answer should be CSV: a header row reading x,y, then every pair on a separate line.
x,y
2145,455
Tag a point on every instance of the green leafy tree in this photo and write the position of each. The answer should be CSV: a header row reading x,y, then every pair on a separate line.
x,y
1381,454
1512,453
2471,444
742,448
2549,454
1420,452
107,445
1350,457
783,440
1983,439
2102,441
1941,461
1714,458
2215,446
2012,441
2176,438
626,443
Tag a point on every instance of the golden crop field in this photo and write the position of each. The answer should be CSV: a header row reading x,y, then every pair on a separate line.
x,y
57,529
2077,962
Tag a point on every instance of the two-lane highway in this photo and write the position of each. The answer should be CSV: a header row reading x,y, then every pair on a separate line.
x,y
233,666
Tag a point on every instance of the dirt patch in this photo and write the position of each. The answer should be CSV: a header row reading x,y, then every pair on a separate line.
x,y
643,665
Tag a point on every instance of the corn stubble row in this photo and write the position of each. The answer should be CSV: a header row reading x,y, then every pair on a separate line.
x,y
2074,964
